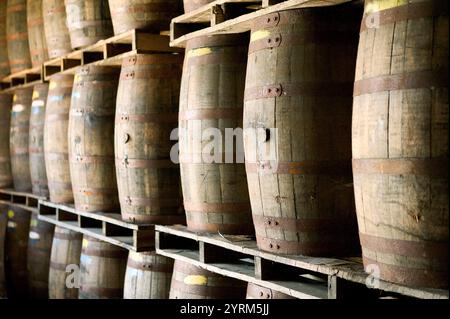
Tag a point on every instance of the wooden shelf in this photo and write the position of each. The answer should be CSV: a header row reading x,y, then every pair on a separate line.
x,y
344,278
231,16
22,200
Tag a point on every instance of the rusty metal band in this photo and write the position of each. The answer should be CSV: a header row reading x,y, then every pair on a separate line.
x,y
149,266
139,74
153,59
102,292
143,8
35,22
209,114
411,276
192,159
145,163
78,25
4,159
70,235
93,191
239,228
56,156
117,254
218,56
22,128
417,249
16,7
95,83
37,126
40,182
58,266
337,167
17,36
156,219
36,151
206,291
56,117
55,9
259,292
56,185
402,81
84,159
152,202
230,208
304,248
409,11
436,167
34,251
19,151
91,112
157,118
318,89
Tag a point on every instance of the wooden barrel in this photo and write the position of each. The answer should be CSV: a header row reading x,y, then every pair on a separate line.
x,y
148,276
55,138
298,104
4,61
147,112
64,264
102,270
258,292
16,243
192,282
3,222
191,5
150,15
38,261
36,140
5,123
88,22
36,34
17,35
91,139
19,139
215,190
55,26
400,142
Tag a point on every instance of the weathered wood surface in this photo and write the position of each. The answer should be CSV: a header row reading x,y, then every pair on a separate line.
x,y
102,270
299,79
16,243
36,33
3,222
55,138
91,139
151,15
147,112
4,61
258,292
88,21
5,157
214,183
193,282
17,35
36,140
64,262
400,141
55,28
148,276
19,139
190,5
38,259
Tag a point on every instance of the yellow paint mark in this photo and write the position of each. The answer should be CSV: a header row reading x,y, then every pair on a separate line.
x,y
196,280
52,85
35,95
199,52
258,35
379,5
85,243
77,78
33,223
15,98
10,214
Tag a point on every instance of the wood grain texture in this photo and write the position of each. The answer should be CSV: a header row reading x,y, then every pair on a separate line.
x,y
3,223
36,140
148,276
400,142
55,28
16,245
55,138
4,61
38,260
258,292
66,251
88,22
150,15
36,34
190,5
91,139
215,192
17,35
5,124
298,94
147,112
102,270
19,139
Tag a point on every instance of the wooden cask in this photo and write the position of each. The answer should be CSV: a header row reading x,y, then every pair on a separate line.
x,y
215,190
63,278
5,124
192,282
147,112
4,61
36,140
150,15
258,292
298,104
400,141
91,139
17,35
3,222
56,147
19,139
36,34
38,260
191,5
148,276
102,270
88,22
55,28
16,243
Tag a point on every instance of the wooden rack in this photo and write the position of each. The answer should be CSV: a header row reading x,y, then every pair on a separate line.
x,y
22,200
